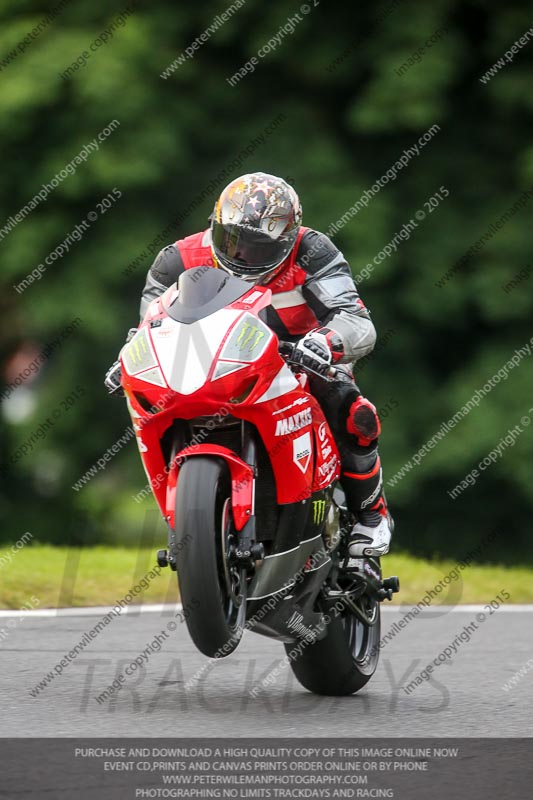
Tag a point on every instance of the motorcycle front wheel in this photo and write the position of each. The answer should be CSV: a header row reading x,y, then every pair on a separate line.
x,y
212,588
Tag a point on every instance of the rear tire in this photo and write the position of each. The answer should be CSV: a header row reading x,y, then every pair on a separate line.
x,y
345,659
212,592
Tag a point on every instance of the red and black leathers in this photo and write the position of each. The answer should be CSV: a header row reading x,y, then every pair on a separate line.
x,y
314,289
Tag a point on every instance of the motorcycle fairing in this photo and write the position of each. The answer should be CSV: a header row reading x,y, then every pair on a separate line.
x,y
242,483
225,360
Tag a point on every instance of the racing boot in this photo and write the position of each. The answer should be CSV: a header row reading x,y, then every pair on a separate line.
x,y
363,484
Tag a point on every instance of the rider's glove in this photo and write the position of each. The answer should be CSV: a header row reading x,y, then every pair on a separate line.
x,y
114,374
318,349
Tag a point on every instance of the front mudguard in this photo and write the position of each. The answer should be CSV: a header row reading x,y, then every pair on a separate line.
x,y
242,482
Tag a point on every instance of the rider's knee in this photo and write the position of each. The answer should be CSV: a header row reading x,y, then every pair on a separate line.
x,y
363,422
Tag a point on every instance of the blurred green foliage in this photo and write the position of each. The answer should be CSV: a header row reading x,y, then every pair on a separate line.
x,y
348,117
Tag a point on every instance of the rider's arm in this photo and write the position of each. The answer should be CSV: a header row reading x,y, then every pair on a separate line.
x,y
331,293
165,271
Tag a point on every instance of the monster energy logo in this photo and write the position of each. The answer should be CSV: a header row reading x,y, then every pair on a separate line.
x,y
319,511
137,349
138,355
246,340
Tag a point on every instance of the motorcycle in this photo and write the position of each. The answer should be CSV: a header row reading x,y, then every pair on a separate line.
x,y
245,470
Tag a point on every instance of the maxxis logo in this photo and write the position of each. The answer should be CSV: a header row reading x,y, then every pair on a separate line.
x,y
294,423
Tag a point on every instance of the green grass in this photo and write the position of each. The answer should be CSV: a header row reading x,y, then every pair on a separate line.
x,y
475,584
102,575
89,576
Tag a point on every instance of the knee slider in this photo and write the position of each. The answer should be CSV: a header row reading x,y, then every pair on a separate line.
x,y
363,421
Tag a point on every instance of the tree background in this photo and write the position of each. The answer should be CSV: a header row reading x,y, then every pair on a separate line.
x,y
346,117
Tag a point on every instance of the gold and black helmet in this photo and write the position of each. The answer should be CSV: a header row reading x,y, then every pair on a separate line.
x,y
254,225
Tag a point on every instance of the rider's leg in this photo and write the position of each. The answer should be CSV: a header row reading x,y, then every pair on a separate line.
x,y
356,427
362,482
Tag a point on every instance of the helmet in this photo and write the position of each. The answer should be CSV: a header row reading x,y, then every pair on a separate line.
x,y
254,226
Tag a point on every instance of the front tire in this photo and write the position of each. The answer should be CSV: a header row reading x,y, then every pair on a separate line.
x,y
212,591
345,659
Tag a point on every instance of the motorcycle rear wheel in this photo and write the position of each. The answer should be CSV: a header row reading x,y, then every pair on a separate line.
x,y
212,590
345,659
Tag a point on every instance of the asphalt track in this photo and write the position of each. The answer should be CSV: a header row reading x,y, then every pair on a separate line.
x,y
465,696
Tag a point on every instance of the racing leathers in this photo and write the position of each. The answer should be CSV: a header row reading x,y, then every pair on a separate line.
x,y
315,291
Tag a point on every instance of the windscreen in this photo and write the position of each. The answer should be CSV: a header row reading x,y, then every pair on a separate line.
x,y
203,291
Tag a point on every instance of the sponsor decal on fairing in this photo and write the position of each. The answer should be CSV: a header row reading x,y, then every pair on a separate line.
x,y
298,402
301,451
248,340
329,465
319,511
326,469
294,423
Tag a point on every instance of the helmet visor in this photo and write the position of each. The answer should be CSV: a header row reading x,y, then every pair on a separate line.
x,y
247,249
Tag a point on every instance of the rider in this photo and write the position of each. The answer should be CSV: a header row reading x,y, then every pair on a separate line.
x,y
256,234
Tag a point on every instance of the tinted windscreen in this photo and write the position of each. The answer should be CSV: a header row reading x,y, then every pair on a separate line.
x,y
202,291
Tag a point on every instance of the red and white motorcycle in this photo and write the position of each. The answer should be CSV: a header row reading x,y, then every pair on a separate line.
x,y
244,468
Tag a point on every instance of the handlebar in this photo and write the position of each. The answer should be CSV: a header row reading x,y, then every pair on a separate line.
x,y
286,351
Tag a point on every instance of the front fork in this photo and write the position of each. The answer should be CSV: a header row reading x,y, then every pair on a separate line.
x,y
248,552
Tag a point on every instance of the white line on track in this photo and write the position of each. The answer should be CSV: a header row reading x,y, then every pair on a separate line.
x,y
93,611
155,608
